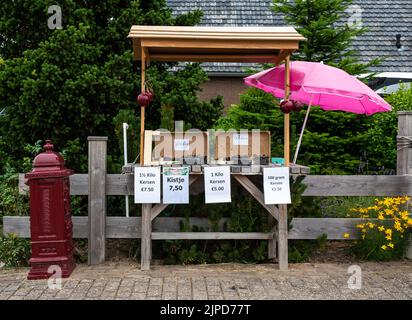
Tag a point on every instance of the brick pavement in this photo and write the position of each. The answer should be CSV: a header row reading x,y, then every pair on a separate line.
x,y
124,280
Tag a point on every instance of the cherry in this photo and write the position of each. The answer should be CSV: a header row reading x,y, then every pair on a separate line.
x,y
143,99
286,106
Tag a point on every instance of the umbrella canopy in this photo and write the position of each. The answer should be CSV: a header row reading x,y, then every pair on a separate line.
x,y
319,84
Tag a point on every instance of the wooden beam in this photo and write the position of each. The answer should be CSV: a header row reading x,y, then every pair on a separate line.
x,y
211,236
97,199
130,228
146,242
214,57
158,208
317,185
257,194
286,146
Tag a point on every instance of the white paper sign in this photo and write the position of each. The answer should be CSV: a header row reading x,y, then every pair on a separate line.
x,y
276,185
182,144
217,184
175,184
147,185
240,139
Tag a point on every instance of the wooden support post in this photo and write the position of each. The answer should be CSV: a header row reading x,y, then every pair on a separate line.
x,y
146,244
404,153
404,142
286,147
272,242
97,200
142,109
283,237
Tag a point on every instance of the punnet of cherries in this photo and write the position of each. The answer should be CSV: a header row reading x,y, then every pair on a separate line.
x,y
145,98
287,106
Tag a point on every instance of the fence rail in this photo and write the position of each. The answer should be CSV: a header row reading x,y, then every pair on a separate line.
x,y
317,185
130,228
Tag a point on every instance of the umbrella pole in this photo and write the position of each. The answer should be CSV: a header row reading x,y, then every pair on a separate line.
x,y
286,146
142,109
301,132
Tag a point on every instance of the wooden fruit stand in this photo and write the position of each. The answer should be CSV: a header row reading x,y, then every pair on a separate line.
x,y
216,44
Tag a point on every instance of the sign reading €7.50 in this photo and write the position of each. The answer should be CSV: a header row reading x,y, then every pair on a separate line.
x,y
147,185
175,184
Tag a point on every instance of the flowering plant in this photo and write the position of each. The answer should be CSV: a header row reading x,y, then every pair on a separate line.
x,y
384,232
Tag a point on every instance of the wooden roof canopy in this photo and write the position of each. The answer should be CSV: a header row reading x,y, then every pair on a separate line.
x,y
217,44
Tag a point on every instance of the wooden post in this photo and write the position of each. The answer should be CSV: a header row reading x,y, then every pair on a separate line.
x,y
404,153
283,237
282,233
146,241
272,243
97,200
142,109
286,147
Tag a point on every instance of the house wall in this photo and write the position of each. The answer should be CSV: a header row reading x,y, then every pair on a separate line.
x,y
228,87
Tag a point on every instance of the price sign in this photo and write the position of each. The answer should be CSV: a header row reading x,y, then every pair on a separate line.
x,y
217,184
175,184
147,185
276,185
182,144
240,139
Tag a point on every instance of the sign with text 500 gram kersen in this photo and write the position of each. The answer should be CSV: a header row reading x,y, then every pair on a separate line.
x,y
147,185
276,185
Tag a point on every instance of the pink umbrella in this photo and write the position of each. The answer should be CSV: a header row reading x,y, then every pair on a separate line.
x,y
315,83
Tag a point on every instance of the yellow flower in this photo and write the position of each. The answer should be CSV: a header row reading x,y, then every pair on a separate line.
x,y
388,238
388,212
363,230
381,228
407,198
390,244
388,231
380,216
371,225
346,235
409,222
384,247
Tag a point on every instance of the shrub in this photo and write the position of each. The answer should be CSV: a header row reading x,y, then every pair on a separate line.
x,y
384,233
14,251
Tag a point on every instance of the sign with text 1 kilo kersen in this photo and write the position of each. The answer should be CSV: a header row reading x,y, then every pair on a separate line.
x,y
147,185
217,184
276,185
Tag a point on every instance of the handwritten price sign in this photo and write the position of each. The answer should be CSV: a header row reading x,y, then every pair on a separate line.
x,y
276,185
217,184
147,185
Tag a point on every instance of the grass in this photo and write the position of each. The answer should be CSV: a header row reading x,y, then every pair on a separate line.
x,y
339,207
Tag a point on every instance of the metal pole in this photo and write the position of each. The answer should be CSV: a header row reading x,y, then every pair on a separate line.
x,y
125,127
301,132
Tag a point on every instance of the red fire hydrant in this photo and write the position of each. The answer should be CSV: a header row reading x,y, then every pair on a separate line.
x,y
51,225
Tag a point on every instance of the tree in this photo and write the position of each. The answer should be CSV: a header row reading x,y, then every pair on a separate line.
x,y
329,37
70,83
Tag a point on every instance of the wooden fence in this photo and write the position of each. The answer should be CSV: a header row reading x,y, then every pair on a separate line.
x,y
97,185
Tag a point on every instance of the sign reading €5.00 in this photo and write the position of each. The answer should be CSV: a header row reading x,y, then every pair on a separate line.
x,y
147,185
217,184
175,184
276,185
